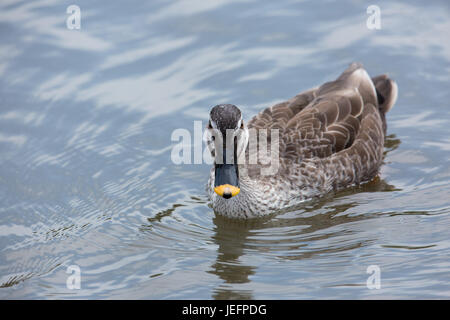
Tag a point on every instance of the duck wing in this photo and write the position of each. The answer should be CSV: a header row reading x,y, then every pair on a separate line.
x,y
328,119
277,116
342,130
340,125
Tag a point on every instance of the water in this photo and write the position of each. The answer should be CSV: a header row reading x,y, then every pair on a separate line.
x,y
86,118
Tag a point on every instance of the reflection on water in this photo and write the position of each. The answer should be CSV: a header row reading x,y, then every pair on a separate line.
x,y
281,236
86,178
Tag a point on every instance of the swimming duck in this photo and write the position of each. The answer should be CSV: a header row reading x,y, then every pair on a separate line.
x,y
324,139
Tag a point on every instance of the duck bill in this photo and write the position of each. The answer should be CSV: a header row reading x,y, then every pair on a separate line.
x,y
226,183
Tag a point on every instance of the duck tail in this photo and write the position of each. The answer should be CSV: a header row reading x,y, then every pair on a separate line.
x,y
386,89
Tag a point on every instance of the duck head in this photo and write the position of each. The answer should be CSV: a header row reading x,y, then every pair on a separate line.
x,y
226,136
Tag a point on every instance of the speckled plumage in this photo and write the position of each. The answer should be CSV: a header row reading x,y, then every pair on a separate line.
x,y
330,137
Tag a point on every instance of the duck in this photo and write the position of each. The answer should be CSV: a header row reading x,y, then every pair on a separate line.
x,y
322,140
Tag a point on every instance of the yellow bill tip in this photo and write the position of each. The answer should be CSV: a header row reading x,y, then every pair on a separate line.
x,y
227,189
